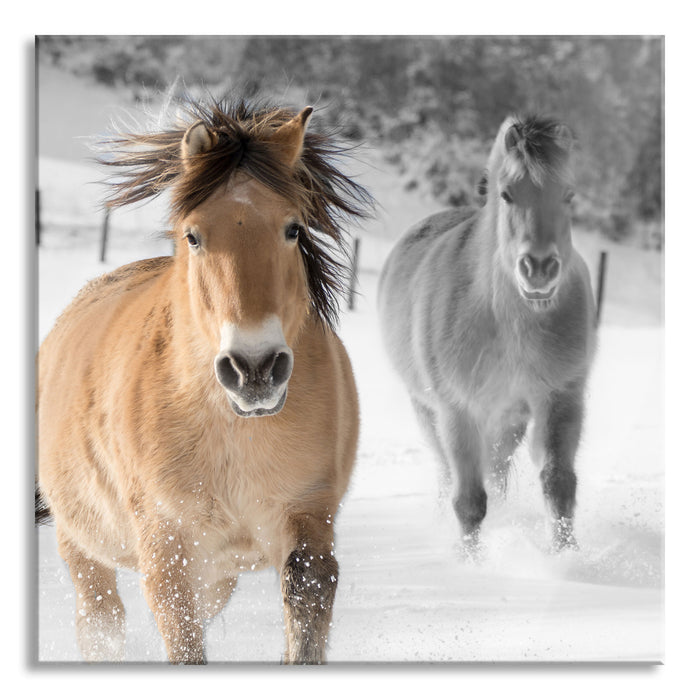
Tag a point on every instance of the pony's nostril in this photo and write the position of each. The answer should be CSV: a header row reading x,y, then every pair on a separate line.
x,y
276,368
526,266
282,367
231,371
551,267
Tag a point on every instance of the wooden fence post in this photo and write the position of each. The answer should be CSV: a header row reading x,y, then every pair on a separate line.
x,y
353,273
602,269
37,216
105,234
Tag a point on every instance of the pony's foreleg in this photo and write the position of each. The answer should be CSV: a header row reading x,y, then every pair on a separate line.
x,y
555,442
170,585
99,620
462,444
309,578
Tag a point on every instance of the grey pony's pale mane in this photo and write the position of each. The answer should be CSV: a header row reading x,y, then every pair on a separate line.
x,y
150,163
539,153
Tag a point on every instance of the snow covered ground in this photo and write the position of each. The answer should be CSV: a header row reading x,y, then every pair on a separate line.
x,y
404,595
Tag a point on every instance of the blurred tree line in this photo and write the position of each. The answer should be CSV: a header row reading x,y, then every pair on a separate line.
x,y
432,105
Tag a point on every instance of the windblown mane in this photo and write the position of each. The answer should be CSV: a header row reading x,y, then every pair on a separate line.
x,y
542,149
327,198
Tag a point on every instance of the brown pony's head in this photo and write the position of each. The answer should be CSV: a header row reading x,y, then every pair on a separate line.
x,y
529,192
251,193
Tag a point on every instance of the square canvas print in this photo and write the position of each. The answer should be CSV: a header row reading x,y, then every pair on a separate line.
x,y
350,350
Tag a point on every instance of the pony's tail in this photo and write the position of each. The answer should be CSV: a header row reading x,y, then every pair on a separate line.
x,y
42,513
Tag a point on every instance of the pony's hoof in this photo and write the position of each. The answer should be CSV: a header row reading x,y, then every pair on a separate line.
x,y
470,549
100,642
563,538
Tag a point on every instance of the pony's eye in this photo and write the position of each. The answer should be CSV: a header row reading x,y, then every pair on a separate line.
x,y
506,197
568,197
293,231
192,240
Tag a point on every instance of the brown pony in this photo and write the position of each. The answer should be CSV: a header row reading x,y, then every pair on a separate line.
x,y
488,315
197,415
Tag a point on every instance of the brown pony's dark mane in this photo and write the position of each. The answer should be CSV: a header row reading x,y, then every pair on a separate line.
x,y
327,198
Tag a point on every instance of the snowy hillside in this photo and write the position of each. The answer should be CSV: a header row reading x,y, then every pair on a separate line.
x,y
403,594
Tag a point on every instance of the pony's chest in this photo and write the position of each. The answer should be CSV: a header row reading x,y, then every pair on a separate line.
x,y
507,368
239,482
240,464
242,531
238,494
241,488
229,520
493,377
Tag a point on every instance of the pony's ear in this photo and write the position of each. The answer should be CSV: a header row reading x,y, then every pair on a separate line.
x,y
289,138
512,137
564,137
197,139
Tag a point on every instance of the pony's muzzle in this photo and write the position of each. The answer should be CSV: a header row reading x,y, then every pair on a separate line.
x,y
235,371
256,384
538,276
